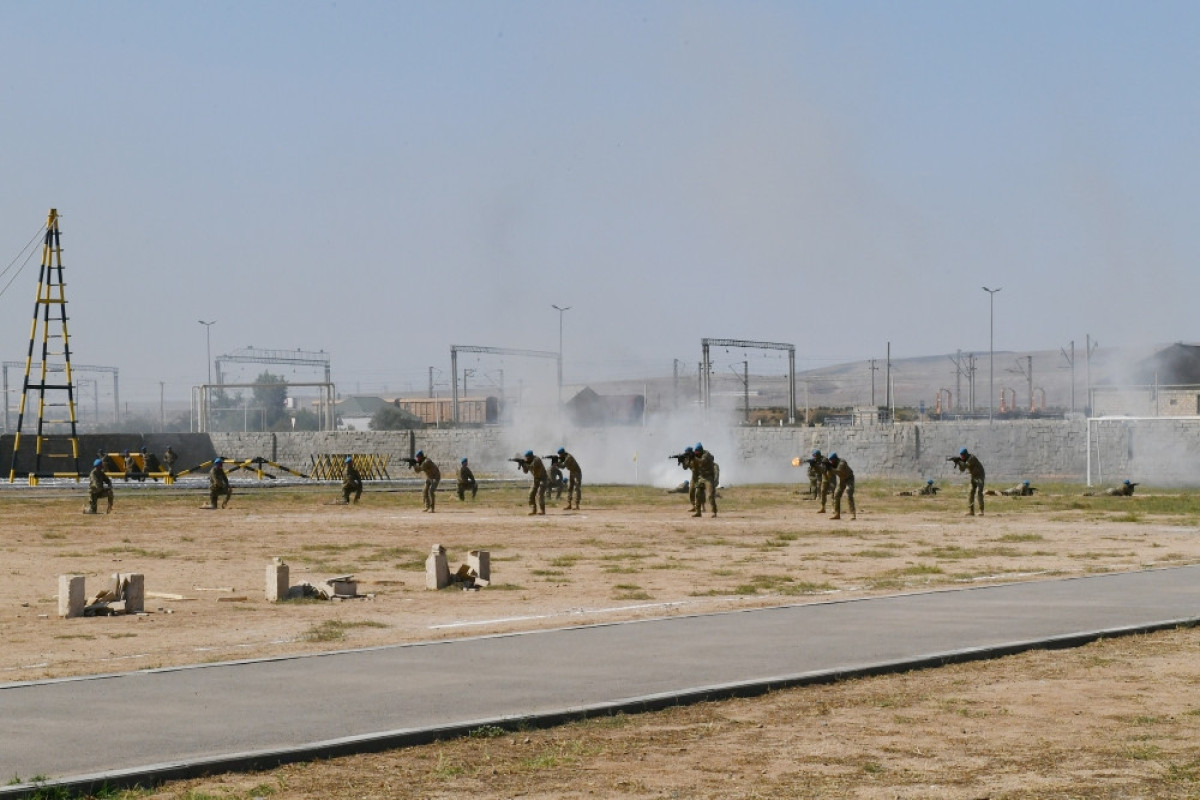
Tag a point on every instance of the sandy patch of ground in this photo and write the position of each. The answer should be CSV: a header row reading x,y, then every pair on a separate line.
x,y
1116,714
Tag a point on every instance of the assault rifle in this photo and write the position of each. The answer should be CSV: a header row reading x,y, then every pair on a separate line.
x,y
412,462
956,460
553,459
681,458
520,462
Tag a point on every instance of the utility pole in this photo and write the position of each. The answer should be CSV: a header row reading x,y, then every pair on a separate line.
x,y
1090,347
874,369
888,376
560,310
991,348
1071,362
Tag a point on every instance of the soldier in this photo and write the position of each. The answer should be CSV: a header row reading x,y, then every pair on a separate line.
x,y
464,480
845,484
169,458
704,477
99,485
433,476
351,482
575,477
537,492
814,474
218,484
131,470
1022,489
686,460
1124,490
150,464
828,481
928,489
556,478
968,462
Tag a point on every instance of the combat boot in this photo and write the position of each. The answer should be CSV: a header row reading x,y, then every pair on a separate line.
x,y
836,516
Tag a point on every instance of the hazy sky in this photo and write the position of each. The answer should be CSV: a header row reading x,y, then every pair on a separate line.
x,y
383,180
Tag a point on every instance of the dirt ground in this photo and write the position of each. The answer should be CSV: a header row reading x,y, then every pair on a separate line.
x,y
1114,719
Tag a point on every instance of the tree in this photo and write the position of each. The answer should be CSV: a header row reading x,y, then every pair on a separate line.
x,y
270,395
393,418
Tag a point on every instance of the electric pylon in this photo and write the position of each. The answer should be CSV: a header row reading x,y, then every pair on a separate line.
x,y
49,379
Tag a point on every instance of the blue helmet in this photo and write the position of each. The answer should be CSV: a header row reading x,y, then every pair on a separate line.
x,y
816,453
833,456
98,463
1127,481
349,459
562,451
218,460
929,482
689,449
1025,483
963,452
699,446
463,461
420,454
529,454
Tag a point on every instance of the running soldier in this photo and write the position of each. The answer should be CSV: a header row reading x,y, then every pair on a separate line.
x,y
218,485
433,476
99,485
351,482
574,477
968,462
704,478
465,481
845,484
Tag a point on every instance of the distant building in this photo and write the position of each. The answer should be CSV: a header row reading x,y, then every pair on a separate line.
x,y
588,409
1165,384
354,413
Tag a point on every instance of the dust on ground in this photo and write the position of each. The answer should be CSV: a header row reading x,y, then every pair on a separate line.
x,y
1114,714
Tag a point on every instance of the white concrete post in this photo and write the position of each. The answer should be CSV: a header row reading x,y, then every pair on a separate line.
x,y
70,596
135,592
437,571
480,562
277,580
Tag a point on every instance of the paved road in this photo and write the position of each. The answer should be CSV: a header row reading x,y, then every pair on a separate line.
x,y
176,722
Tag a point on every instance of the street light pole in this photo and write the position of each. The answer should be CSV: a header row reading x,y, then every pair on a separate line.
x,y
991,348
560,310
208,344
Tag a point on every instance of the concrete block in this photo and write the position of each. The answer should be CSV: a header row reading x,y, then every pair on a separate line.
x,y
480,562
278,576
437,571
134,592
70,596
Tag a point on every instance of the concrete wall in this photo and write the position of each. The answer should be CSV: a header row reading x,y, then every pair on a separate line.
x,y
1164,451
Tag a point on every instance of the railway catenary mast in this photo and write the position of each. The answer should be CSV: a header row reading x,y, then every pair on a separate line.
x,y
706,366
455,349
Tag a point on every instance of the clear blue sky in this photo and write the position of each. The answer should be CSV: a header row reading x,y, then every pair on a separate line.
x,y
383,180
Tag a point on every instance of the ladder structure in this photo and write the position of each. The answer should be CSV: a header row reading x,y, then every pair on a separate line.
x,y
48,381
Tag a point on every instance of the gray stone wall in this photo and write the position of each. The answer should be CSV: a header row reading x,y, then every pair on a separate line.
x,y
1163,451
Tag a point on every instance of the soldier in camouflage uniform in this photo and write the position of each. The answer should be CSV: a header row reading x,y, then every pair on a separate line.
x,y
845,484
433,476
465,480
218,485
533,466
704,478
1124,490
968,462
351,482
99,485
1022,489
574,477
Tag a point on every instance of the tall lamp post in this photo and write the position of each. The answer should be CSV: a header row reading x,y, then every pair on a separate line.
x,y
991,347
208,344
560,310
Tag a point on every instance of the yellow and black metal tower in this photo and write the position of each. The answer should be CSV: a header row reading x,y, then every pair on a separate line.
x,y
48,381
